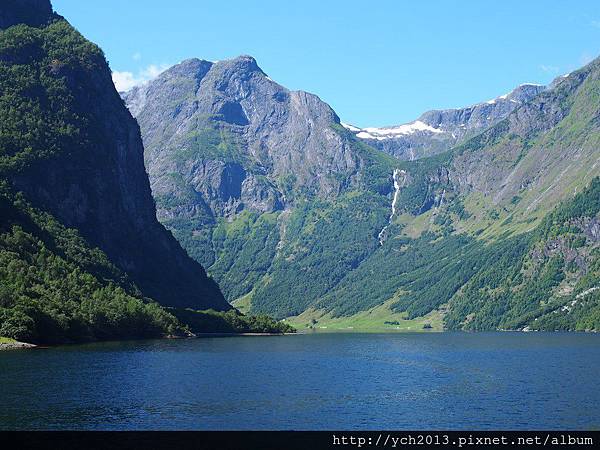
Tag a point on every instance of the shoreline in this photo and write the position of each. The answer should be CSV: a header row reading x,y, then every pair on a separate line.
x,y
432,331
16,345
201,335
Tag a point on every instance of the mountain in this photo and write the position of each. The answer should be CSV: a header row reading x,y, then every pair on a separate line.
x,y
543,152
298,216
241,140
76,199
548,280
439,130
238,164
465,218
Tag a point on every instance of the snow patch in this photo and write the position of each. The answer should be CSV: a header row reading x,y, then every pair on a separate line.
x,y
494,100
505,96
349,127
365,135
401,130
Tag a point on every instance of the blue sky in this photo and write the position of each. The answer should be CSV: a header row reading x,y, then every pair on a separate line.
x,y
376,63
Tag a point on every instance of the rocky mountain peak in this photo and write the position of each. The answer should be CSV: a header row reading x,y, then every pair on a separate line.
x,y
29,12
236,140
242,63
263,187
194,67
525,92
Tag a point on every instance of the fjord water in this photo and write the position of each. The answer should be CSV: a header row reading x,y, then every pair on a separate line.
x,y
305,382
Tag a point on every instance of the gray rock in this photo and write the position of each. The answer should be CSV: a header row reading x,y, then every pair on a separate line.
x,y
531,150
16,346
441,130
237,140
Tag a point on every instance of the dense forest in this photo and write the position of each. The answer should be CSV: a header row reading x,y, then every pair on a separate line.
x,y
55,288
511,282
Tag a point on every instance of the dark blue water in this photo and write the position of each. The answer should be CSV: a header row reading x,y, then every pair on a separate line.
x,y
319,381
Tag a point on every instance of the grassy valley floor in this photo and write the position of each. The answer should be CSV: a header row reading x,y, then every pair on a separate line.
x,y
379,319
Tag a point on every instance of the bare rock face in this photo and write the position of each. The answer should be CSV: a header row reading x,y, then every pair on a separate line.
x,y
234,139
581,255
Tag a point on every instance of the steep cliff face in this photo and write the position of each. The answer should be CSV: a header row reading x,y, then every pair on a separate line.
x,y
234,139
439,130
237,164
80,155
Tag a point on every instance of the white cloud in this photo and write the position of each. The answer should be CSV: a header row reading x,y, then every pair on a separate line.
x,y
136,56
152,71
549,69
585,58
124,81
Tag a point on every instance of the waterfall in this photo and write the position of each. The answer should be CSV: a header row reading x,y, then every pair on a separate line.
x,y
397,186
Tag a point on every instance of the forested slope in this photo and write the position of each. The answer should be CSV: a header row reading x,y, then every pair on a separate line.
x,y
83,256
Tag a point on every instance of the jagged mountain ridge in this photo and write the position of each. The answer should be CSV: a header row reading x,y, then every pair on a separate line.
x,y
541,153
437,131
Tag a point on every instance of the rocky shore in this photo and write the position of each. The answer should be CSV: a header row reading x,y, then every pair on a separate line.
x,y
15,345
